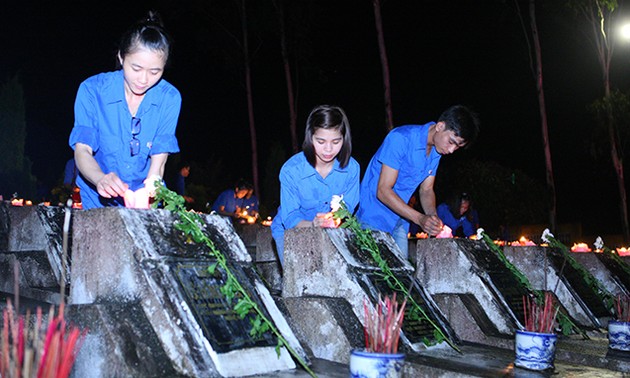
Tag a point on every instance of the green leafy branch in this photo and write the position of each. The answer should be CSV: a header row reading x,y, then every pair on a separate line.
x,y
564,321
604,295
365,241
616,258
192,225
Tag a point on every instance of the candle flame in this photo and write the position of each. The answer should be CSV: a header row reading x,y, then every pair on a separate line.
x,y
522,242
580,247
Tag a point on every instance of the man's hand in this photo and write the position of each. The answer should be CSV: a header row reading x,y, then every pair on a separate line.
x,y
431,224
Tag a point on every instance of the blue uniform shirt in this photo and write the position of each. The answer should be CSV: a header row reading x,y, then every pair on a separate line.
x,y
404,149
228,199
102,121
304,193
251,203
468,228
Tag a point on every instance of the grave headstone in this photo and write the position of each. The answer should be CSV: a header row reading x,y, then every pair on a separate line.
x,y
602,270
470,282
541,266
267,260
137,256
619,271
326,262
31,236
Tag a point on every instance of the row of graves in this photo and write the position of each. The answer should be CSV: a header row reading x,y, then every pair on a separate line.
x,y
154,302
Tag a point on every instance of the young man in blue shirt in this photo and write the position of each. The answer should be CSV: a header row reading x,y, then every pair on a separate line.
x,y
409,156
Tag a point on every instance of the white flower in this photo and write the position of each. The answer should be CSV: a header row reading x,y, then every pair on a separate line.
x,y
599,243
335,203
546,235
480,232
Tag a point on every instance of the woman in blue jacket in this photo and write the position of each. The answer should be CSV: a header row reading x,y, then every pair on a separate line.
x,y
310,178
459,213
124,127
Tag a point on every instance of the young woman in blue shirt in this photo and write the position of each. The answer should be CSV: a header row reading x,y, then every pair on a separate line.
x,y
125,120
310,178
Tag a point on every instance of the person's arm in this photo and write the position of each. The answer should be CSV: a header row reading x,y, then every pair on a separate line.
x,y
447,218
290,202
470,223
108,185
221,202
430,223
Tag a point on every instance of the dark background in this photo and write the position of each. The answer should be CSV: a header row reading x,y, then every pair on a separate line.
x,y
440,53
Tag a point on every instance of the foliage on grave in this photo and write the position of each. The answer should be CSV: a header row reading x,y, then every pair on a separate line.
x,y
193,228
604,295
621,303
365,242
540,301
612,254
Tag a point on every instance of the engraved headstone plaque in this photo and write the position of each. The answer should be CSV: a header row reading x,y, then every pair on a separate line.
x,y
221,325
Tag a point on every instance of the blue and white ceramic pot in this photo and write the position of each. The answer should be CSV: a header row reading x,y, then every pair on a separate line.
x,y
619,335
535,351
376,365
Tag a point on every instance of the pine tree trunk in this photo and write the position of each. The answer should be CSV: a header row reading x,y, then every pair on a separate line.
x,y
250,103
384,64
551,186
287,75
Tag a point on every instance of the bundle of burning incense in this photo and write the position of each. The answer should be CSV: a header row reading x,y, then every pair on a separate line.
x,y
622,307
31,349
382,325
540,316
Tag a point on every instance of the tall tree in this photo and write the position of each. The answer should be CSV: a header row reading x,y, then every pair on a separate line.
x,y
15,167
279,5
384,63
250,101
599,14
536,66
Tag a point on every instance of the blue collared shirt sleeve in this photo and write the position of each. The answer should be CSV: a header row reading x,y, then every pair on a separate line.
x,y
447,217
393,149
165,140
289,200
351,191
85,129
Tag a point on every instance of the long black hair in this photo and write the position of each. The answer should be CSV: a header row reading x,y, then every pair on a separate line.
x,y
328,117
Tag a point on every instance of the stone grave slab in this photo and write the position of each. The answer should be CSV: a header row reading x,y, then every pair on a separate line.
x,y
600,269
541,265
32,236
325,262
125,255
110,326
267,259
467,276
247,232
619,271
327,324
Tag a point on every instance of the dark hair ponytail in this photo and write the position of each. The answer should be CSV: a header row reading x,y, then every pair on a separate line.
x,y
148,32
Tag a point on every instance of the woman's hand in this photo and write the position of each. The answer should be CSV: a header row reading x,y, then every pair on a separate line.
x,y
319,220
110,185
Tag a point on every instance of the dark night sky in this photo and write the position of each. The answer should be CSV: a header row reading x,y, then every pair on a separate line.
x,y
441,52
